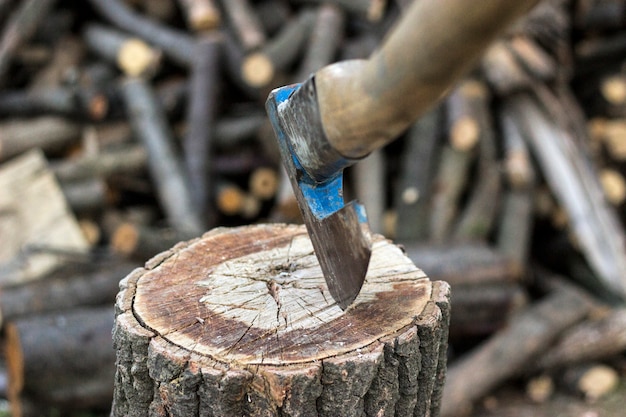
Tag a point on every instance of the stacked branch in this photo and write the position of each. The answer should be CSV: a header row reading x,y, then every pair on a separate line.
x,y
151,120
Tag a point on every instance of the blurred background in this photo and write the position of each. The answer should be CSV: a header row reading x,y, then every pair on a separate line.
x,y
128,126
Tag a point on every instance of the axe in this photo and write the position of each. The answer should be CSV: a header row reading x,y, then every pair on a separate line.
x,y
346,110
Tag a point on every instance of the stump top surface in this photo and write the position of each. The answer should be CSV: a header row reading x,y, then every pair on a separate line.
x,y
256,295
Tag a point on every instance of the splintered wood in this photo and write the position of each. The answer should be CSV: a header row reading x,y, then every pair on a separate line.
x,y
240,321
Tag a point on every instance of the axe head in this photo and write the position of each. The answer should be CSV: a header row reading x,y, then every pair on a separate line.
x,y
338,231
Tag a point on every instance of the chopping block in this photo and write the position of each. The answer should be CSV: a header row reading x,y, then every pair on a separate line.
x,y
239,322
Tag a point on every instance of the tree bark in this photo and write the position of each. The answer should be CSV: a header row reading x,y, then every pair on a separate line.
x,y
240,322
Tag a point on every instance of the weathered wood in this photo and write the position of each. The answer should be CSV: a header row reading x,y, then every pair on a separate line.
x,y
132,55
458,264
591,381
324,42
202,107
610,133
66,358
568,169
514,232
416,177
507,353
81,103
373,10
482,309
70,286
125,159
450,182
591,340
88,195
48,133
502,71
141,242
67,55
246,327
201,15
150,126
245,24
176,44
263,183
535,60
260,67
20,27
479,214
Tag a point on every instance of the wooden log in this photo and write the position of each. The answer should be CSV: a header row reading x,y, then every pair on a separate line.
x,y
67,55
611,133
369,187
240,164
614,186
86,196
198,146
464,263
176,44
591,381
46,349
125,159
513,239
482,309
68,287
231,131
539,389
271,340
201,15
230,199
245,24
19,28
373,10
286,208
326,37
479,213
259,68
47,133
417,171
142,242
149,124
518,166
72,102
593,15
507,353
594,339
132,55
465,109
502,70
613,90
263,183
574,182
535,60
172,95
451,180
160,10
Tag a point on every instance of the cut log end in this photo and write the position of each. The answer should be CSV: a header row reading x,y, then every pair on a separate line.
x,y
248,308
257,70
136,58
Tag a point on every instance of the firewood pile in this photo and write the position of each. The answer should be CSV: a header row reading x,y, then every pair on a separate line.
x,y
128,126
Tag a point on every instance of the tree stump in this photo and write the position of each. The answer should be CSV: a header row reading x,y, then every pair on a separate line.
x,y
239,322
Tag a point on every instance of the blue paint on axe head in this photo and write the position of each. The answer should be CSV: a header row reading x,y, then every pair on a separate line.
x,y
338,231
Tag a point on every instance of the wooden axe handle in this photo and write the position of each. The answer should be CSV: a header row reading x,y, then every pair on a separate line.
x,y
365,104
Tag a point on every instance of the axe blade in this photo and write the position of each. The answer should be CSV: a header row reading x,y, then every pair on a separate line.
x,y
338,231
